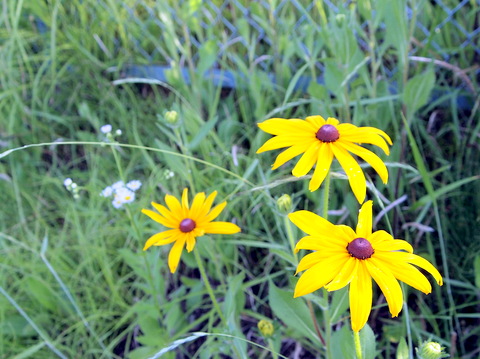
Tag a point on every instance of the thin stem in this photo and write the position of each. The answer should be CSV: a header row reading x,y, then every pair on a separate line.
x,y
326,196
203,273
150,278
358,345
291,240
326,311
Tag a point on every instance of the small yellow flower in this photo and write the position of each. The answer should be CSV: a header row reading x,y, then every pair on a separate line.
x,y
343,256
186,223
320,141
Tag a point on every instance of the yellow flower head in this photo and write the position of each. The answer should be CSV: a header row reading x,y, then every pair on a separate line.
x,y
320,141
343,256
186,223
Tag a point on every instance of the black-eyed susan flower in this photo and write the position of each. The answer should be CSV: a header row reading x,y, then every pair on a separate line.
x,y
321,140
186,223
346,257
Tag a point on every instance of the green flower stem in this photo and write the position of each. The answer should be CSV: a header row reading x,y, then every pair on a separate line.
x,y
358,345
326,311
203,273
139,236
291,240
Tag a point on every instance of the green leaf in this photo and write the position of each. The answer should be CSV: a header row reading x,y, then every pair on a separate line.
x,y
292,311
417,91
340,303
402,350
367,338
443,191
342,343
208,55
204,130
476,268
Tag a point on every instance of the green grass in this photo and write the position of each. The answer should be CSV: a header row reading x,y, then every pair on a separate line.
x,y
74,281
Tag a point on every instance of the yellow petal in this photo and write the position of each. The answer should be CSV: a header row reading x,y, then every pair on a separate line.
x,y
368,156
388,285
160,239
353,172
281,141
207,205
197,206
319,275
309,260
364,226
158,218
190,241
306,162
349,234
174,206
419,262
176,253
214,213
282,126
289,153
368,135
332,121
185,206
166,213
221,228
394,245
345,276
324,160
316,122
378,237
311,223
360,297
405,272
321,242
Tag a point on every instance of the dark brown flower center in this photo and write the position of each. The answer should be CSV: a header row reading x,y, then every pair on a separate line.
x,y
187,225
328,133
360,248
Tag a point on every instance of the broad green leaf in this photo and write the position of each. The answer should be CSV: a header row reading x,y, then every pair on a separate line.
x,y
402,350
340,304
342,344
292,311
367,338
208,54
204,131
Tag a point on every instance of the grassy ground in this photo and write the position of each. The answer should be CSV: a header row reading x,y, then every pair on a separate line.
x,y
73,278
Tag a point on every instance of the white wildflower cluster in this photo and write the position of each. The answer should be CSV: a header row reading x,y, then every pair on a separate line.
x,y
168,174
109,135
122,193
72,187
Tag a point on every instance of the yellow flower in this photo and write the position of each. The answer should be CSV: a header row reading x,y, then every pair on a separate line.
x,y
343,256
186,223
320,141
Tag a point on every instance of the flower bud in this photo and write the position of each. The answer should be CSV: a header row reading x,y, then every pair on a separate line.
x,y
265,327
340,19
284,204
431,350
171,117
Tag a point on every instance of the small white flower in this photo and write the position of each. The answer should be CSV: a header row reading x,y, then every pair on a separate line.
x,y
169,174
134,185
117,203
124,195
118,132
106,129
107,192
73,185
117,185
68,182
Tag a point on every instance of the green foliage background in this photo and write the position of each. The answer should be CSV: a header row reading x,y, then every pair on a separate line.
x,y
74,280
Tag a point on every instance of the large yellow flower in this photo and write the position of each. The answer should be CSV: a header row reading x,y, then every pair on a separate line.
x,y
186,223
320,141
343,256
